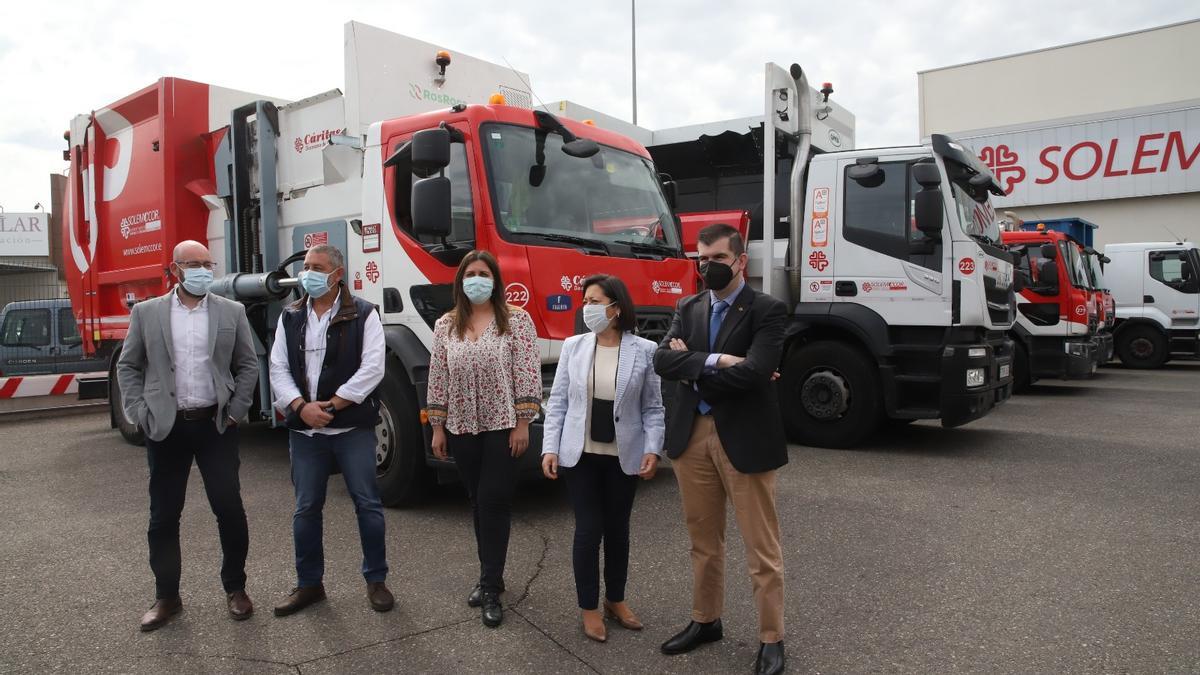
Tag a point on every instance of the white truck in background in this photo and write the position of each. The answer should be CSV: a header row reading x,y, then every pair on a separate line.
x,y
1156,286
889,260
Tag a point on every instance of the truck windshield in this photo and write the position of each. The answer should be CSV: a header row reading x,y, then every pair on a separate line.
x,y
1097,275
978,219
1075,265
611,198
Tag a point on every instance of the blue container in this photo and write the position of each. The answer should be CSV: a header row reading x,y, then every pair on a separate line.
x,y
1078,229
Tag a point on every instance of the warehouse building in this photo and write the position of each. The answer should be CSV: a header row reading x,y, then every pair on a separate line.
x,y
1107,130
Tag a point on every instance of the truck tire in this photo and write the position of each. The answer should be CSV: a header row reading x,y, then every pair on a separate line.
x,y
130,431
830,395
400,451
1021,373
1141,346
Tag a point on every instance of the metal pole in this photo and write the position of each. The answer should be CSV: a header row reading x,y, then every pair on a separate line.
x,y
633,40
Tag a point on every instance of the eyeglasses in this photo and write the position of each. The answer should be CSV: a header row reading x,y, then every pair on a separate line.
x,y
195,265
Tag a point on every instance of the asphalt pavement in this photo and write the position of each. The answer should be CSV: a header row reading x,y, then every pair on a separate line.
x,y
1058,535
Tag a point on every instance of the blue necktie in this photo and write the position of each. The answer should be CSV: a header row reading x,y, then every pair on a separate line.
x,y
714,327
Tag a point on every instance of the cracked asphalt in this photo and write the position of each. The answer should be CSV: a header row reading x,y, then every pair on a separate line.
x,y
1057,535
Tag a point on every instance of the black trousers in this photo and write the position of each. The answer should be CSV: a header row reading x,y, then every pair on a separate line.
x,y
602,496
170,463
489,472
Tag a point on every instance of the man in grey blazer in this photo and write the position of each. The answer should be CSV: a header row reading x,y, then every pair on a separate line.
x,y
187,372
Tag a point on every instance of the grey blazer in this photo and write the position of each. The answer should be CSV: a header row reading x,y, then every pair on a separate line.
x,y
637,411
146,369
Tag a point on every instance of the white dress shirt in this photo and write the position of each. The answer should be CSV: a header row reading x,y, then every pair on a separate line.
x,y
356,389
194,385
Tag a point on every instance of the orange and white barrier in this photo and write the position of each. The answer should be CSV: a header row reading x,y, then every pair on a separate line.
x,y
19,386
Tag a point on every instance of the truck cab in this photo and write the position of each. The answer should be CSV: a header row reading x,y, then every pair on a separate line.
x,y
1156,288
889,260
1057,314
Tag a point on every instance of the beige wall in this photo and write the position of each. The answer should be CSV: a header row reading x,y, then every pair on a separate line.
x,y
1129,220
1148,68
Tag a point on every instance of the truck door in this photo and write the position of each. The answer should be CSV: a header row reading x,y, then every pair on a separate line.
x,y
1175,287
882,260
69,344
27,341
435,261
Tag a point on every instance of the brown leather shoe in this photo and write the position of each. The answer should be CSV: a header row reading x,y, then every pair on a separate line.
x,y
300,598
593,625
380,597
240,607
624,616
160,613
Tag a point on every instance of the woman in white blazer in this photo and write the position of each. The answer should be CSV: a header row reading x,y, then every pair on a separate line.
x,y
604,429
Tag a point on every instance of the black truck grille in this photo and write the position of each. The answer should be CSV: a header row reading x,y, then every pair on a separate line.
x,y
1000,301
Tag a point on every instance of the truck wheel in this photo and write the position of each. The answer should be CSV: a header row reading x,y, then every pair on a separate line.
x,y
1142,347
400,451
1021,377
129,429
830,395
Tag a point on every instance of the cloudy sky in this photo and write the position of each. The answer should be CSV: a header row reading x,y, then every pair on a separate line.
x,y
698,60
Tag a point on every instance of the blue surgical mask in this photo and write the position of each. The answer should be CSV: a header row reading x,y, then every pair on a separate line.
x,y
478,289
315,283
196,281
595,317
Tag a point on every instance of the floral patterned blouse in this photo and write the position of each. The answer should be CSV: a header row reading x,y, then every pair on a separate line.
x,y
486,384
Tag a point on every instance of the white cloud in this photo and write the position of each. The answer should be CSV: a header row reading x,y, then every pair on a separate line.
x,y
697,60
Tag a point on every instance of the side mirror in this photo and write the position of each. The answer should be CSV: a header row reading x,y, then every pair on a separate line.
x,y
1048,276
431,207
926,174
866,172
1050,252
581,147
430,151
928,212
670,190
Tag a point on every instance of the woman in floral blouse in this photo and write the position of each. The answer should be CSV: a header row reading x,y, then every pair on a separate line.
x,y
485,387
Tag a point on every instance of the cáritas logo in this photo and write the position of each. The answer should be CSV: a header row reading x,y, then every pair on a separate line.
x,y
315,140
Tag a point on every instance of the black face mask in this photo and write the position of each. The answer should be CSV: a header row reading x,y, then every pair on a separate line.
x,y
716,275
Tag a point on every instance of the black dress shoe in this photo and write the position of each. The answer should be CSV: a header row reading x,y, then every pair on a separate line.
x,y
475,599
693,636
771,660
491,612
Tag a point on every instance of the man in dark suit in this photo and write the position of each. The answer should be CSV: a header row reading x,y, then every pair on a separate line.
x,y
725,438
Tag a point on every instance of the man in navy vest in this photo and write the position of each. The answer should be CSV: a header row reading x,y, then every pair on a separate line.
x,y
326,363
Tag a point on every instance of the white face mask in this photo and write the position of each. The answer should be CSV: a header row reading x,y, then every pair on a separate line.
x,y
595,317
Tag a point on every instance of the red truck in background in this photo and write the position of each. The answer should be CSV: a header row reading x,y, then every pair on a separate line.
x,y
405,181
1057,308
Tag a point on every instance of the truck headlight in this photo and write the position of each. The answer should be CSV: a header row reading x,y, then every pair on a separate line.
x,y
1074,348
977,352
976,377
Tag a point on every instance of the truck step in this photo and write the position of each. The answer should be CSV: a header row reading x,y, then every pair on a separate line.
x,y
903,377
918,413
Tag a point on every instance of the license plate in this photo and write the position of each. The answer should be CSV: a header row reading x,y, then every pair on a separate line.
x,y
1005,369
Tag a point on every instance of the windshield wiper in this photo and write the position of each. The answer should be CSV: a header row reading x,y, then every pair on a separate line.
x,y
649,245
983,240
568,239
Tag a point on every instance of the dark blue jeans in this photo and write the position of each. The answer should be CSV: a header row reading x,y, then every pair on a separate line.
x,y
170,463
602,496
312,463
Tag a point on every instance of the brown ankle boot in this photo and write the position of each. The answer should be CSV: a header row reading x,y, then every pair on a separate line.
x,y
240,607
624,616
300,598
593,625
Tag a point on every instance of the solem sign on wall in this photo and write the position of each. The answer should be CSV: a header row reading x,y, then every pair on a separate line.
x,y
24,234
